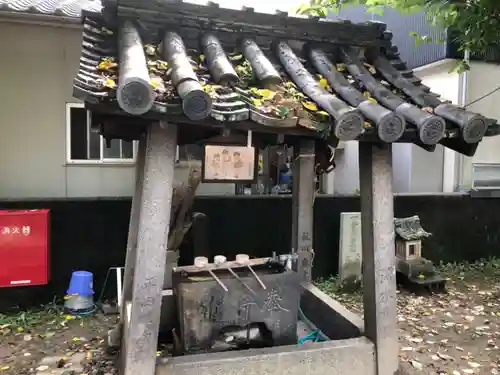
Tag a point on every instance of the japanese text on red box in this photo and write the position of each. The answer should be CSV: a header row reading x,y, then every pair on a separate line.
x,y
24,230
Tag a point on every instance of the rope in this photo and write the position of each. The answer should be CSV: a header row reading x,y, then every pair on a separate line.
x,y
315,335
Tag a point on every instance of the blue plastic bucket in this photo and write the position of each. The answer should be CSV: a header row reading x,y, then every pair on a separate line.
x,y
81,284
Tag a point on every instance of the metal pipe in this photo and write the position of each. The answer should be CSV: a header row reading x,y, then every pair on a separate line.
x,y
462,102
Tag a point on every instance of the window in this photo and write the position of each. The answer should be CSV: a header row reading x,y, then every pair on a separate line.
x,y
190,152
412,250
485,176
85,146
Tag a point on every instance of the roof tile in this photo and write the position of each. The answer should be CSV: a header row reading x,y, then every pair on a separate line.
x,y
339,77
63,8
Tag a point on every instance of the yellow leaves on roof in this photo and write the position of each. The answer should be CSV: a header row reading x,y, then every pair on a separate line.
x,y
106,31
236,57
323,82
257,103
310,106
264,94
107,69
158,65
370,68
107,82
156,82
369,97
107,64
151,50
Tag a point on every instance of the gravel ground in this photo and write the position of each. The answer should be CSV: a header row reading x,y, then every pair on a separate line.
x,y
50,342
454,333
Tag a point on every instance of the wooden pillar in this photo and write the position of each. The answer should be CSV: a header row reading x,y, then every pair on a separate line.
x,y
379,272
142,317
302,208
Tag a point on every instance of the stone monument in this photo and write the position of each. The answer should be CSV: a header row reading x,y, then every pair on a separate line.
x,y
350,259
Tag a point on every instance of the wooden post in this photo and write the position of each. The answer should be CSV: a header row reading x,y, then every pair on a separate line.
x,y
379,271
142,317
302,208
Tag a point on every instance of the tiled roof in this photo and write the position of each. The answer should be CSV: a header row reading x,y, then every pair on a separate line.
x,y
238,66
409,228
63,8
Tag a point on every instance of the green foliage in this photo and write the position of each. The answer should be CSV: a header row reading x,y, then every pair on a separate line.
x,y
473,24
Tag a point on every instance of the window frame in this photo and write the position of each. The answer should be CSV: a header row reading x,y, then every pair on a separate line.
x,y
102,160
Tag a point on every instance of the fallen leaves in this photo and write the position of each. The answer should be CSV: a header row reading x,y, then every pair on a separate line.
x,y
107,82
417,365
69,340
310,106
107,64
456,333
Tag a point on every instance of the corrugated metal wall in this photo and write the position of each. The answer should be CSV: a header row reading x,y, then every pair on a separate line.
x,y
401,26
492,54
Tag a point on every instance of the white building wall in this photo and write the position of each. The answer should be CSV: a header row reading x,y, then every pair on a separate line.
x,y
436,172
38,67
483,79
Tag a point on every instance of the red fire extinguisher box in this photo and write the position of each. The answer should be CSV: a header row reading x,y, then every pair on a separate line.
x,y
24,247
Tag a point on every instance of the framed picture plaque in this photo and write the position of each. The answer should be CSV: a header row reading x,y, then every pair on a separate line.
x,y
229,164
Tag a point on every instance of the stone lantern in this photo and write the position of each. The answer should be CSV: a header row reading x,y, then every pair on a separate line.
x,y
413,269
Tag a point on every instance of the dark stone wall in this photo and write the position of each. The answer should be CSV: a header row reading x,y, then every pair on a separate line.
x,y
91,233
84,234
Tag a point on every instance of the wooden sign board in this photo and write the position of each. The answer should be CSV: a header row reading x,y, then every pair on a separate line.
x,y
226,164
